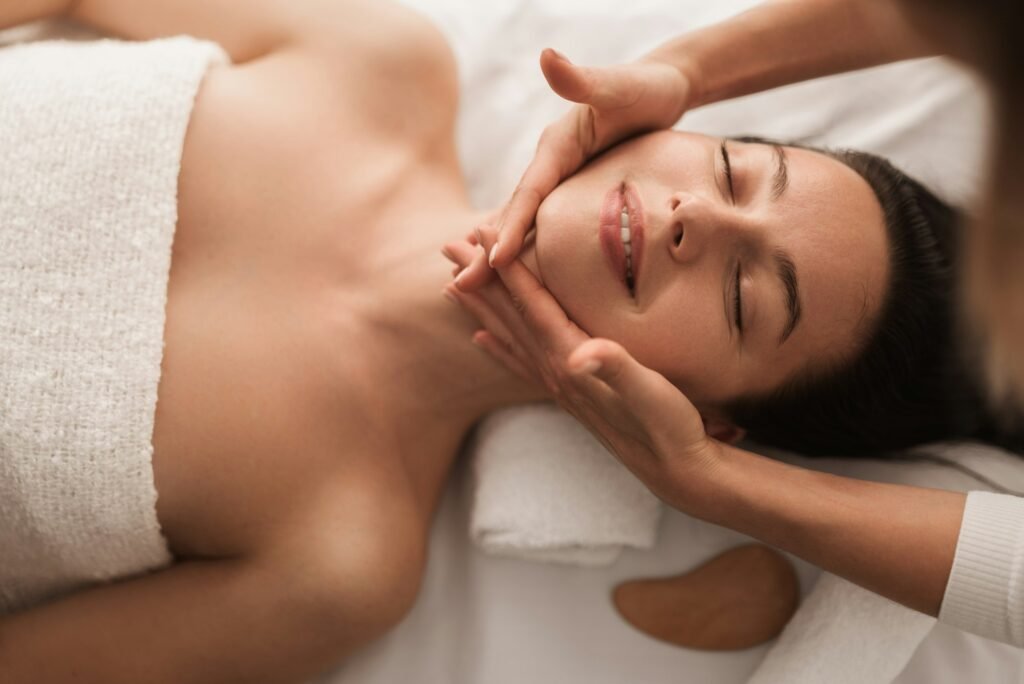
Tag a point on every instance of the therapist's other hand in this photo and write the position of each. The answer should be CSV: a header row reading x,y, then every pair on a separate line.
x,y
611,103
634,411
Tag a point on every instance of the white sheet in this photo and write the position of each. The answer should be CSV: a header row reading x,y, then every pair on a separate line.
x,y
485,620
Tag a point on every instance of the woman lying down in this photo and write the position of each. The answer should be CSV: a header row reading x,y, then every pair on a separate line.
x,y
315,386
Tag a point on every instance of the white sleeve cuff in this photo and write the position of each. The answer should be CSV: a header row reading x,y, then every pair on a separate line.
x,y
985,592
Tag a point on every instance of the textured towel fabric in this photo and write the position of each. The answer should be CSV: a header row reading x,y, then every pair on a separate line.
x,y
545,489
91,136
844,634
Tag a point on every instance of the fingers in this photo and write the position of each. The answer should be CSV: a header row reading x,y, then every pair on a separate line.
x,y
475,274
564,77
646,392
541,177
471,269
501,352
460,252
484,313
614,366
603,88
599,87
544,318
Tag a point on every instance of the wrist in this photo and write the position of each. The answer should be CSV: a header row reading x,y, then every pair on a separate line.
x,y
677,55
701,481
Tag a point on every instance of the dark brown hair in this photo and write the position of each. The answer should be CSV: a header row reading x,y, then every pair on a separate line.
x,y
910,383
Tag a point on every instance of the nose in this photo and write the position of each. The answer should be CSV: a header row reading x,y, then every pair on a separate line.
x,y
697,224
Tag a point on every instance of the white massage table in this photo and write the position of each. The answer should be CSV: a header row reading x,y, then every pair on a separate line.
x,y
486,620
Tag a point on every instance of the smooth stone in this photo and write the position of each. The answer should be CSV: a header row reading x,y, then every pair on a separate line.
x,y
738,599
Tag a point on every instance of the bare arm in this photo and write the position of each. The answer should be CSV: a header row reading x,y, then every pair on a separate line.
x,y
210,621
247,30
14,12
786,41
896,540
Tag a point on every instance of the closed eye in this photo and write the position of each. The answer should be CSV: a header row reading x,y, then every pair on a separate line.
x,y
737,302
728,170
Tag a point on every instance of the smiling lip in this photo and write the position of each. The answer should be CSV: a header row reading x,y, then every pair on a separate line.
x,y
636,229
611,240
624,194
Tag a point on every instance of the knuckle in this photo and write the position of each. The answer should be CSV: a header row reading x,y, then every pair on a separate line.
x,y
554,389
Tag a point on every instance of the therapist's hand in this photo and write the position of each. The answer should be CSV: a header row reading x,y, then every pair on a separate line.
x,y
612,103
636,413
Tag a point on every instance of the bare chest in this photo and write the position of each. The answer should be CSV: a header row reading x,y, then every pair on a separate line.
x,y
265,397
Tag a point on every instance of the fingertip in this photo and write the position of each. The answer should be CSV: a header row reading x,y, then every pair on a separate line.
x,y
552,52
586,367
449,294
471,277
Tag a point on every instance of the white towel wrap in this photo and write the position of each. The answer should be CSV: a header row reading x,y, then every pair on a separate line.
x,y
91,137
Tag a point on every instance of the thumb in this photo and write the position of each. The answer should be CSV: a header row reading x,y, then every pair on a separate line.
x,y
648,394
599,87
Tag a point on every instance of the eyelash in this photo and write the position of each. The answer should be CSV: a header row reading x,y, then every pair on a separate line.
x,y
728,171
737,303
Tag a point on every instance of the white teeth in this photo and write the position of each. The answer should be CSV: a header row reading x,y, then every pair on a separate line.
x,y
625,233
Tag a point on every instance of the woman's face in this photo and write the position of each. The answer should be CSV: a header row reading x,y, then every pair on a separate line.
x,y
797,235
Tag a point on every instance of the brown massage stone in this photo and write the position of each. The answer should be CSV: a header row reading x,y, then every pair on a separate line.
x,y
738,599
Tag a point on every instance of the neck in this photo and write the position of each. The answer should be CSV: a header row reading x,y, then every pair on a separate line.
x,y
426,337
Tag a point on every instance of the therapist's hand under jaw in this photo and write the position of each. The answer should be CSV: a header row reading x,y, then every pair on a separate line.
x,y
612,103
636,413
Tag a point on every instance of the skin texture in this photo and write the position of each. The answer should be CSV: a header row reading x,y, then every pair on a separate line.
x,y
681,320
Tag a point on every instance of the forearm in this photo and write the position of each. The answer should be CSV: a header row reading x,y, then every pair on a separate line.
x,y
246,30
786,41
898,541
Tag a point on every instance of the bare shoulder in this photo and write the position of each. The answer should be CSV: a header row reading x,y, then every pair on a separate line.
x,y
375,65
356,94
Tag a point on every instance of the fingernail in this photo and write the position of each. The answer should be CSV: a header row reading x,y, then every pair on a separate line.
x,y
479,236
589,367
560,55
449,295
459,278
490,257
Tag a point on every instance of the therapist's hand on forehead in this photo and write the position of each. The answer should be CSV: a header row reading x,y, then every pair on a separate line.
x,y
612,103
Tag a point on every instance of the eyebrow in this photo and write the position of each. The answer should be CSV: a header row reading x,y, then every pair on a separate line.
x,y
786,270
780,179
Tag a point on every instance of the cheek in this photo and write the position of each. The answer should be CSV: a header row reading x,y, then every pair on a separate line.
x,y
681,339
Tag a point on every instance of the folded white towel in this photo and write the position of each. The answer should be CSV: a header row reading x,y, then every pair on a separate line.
x,y
91,137
843,634
546,489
